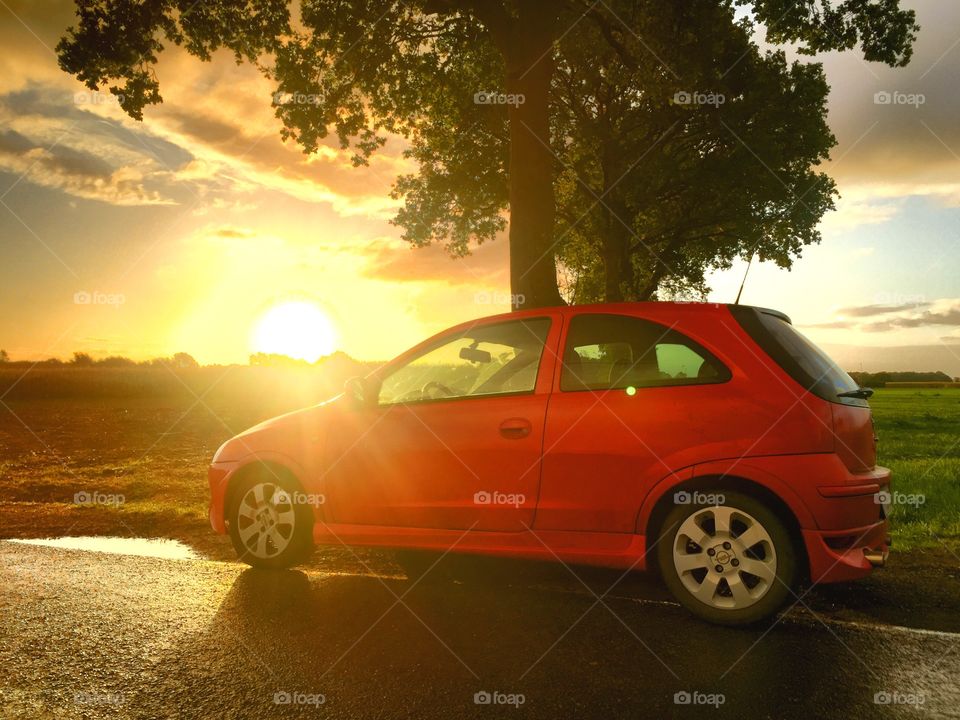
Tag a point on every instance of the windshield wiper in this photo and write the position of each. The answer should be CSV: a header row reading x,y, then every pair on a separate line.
x,y
859,393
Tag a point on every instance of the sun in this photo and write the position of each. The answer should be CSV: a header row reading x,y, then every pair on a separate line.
x,y
300,330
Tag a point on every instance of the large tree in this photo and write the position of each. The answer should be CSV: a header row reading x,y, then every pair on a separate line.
x,y
676,149
381,67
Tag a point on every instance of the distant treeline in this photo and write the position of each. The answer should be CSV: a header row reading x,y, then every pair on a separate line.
x,y
880,379
180,360
267,386
85,360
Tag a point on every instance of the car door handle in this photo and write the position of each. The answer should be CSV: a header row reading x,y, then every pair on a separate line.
x,y
515,428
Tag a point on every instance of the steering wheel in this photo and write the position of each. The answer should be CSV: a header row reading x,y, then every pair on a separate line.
x,y
434,390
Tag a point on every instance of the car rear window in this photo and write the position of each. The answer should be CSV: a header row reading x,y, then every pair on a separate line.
x,y
798,356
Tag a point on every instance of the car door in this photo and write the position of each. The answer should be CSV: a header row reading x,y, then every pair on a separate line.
x,y
454,437
630,404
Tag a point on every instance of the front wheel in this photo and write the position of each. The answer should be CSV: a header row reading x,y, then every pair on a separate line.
x,y
732,563
269,526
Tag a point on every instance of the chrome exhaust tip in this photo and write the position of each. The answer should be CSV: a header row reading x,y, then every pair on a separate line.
x,y
877,558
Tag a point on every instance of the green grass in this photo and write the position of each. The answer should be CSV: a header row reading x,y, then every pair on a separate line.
x,y
919,432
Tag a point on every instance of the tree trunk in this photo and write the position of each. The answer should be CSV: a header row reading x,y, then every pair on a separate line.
x,y
617,270
616,259
528,52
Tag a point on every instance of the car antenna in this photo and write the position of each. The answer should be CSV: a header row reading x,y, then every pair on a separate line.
x,y
745,272
744,281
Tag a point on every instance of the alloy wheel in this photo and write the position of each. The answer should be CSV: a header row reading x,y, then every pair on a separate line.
x,y
265,520
725,557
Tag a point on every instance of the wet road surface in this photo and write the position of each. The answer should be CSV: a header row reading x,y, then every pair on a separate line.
x,y
94,635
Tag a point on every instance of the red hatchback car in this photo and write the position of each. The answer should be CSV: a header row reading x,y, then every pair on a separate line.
x,y
712,441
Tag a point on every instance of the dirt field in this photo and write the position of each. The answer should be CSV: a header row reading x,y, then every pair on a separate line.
x,y
136,441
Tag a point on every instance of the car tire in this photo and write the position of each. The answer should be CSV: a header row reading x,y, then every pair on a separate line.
x,y
732,562
269,527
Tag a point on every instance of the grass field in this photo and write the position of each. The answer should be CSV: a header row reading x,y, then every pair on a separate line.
x,y
152,451
919,434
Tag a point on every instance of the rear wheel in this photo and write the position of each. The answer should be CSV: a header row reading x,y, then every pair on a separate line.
x,y
733,563
268,527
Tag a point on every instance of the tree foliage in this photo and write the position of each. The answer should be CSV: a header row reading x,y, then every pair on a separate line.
x,y
701,150
589,85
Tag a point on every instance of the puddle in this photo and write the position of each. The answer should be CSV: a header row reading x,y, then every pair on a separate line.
x,y
143,547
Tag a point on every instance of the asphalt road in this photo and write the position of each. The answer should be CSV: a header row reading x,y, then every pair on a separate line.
x,y
94,635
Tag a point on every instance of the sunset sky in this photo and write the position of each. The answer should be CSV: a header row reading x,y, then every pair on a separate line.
x,y
184,230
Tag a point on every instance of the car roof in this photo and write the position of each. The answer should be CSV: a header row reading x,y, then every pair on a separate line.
x,y
658,307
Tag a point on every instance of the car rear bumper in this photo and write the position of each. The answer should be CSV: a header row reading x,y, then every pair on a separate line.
x,y
840,555
849,553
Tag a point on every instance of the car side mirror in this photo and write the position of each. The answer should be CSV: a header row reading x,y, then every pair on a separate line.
x,y
359,391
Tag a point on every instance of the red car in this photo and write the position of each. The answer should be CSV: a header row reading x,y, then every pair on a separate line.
x,y
713,441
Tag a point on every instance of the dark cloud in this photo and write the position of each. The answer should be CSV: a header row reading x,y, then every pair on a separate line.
x,y
872,310
14,143
53,143
74,171
261,148
949,316
76,163
55,106
217,132
895,317
58,159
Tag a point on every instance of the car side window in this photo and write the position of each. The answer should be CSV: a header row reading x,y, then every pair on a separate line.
x,y
485,360
606,352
